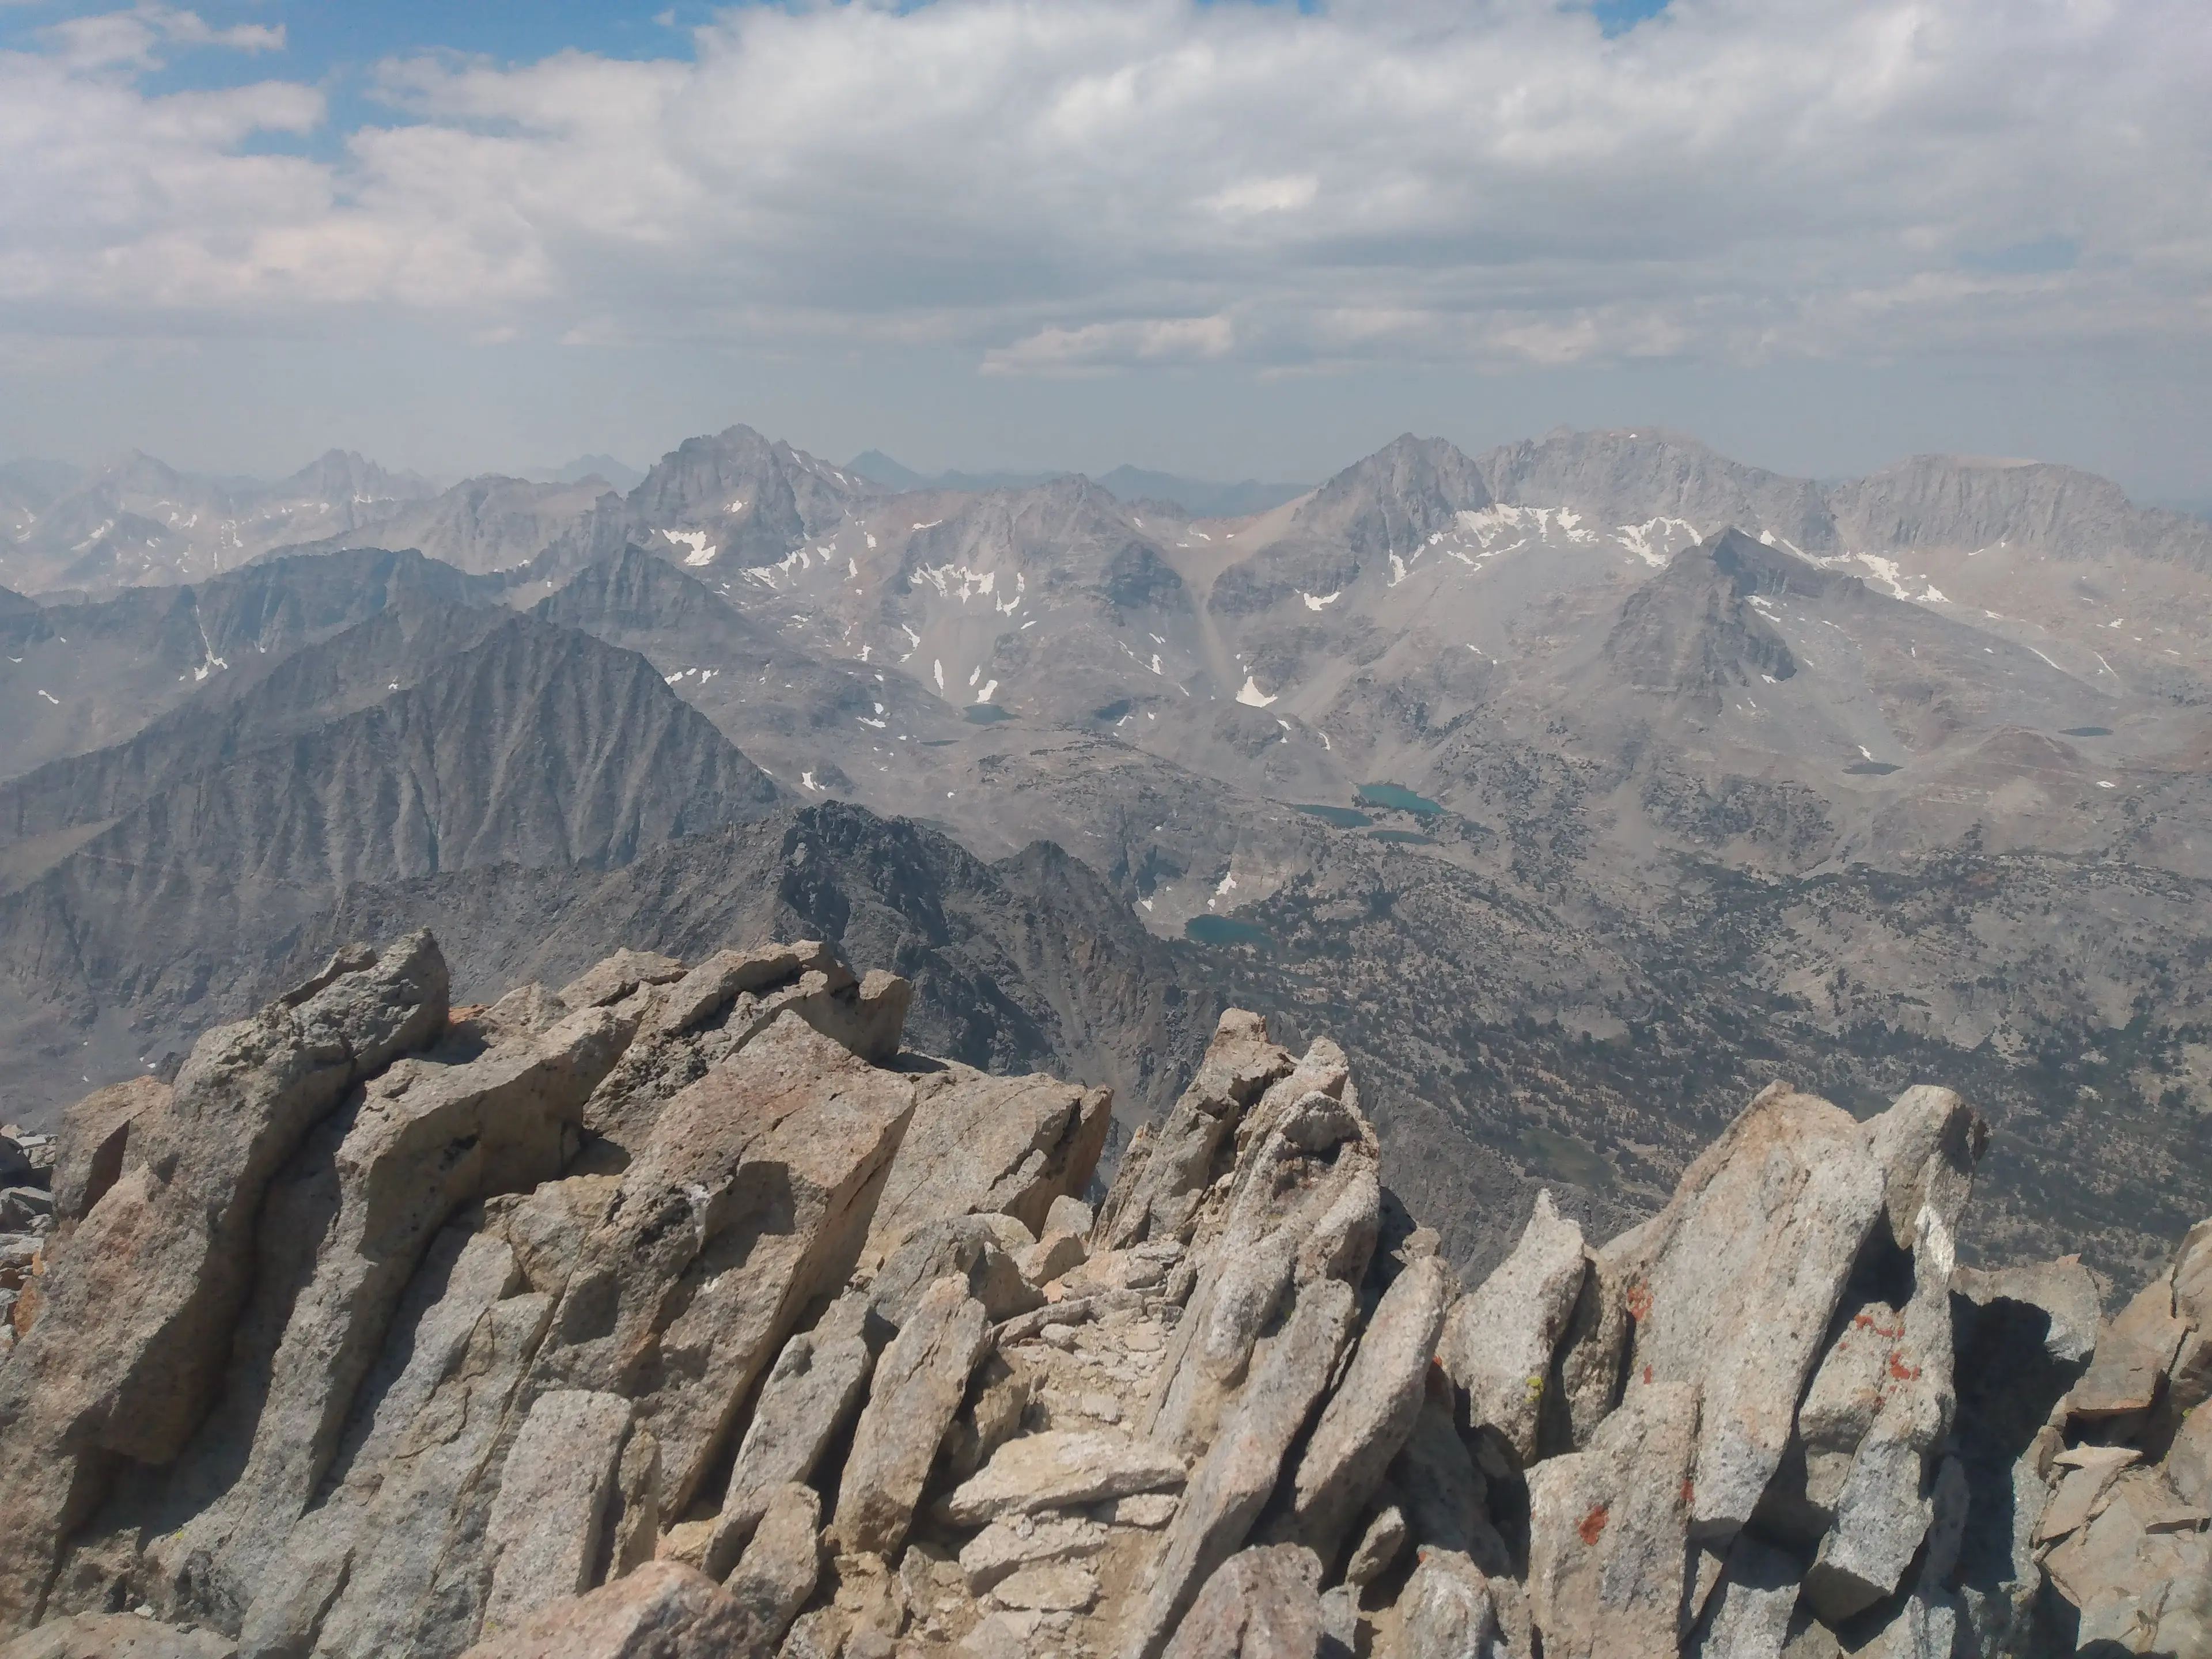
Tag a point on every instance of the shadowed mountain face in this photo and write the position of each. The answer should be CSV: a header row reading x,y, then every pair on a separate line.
x,y
236,713
1016,963
532,745
79,674
1694,633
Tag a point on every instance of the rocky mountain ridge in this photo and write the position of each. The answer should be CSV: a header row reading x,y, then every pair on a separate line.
x,y
1508,771
1528,1006
685,1310
531,745
139,519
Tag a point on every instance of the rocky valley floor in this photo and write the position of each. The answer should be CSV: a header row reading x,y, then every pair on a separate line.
x,y
688,1311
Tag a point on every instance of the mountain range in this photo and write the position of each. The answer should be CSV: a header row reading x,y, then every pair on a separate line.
x,y
1577,788
1128,483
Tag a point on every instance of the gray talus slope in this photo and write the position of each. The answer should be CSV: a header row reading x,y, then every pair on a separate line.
x,y
536,746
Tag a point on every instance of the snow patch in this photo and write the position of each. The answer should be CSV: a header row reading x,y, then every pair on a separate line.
x,y
1318,601
989,690
1249,693
1491,524
701,553
1656,540
1886,572
790,564
957,580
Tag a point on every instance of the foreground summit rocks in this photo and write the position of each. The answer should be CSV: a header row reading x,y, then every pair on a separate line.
x,y
682,1311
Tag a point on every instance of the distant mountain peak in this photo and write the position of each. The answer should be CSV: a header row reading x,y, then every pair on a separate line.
x,y
623,477
1693,631
1395,499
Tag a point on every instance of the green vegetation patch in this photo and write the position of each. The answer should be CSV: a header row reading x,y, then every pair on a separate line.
x,y
2087,731
1402,837
1873,768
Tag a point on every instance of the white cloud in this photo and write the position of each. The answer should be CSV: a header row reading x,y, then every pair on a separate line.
x,y
1098,346
1280,195
134,37
1068,186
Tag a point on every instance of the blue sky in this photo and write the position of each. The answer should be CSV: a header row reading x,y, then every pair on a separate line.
x,y
1209,235
321,38
325,40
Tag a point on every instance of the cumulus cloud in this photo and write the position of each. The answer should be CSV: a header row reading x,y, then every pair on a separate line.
x,y
1067,186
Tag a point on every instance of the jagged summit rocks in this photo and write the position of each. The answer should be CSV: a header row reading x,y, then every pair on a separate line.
x,y
683,1311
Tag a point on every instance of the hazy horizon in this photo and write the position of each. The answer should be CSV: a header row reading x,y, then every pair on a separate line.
x,y
1234,241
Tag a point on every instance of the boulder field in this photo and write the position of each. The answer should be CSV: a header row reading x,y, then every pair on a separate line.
x,y
681,1312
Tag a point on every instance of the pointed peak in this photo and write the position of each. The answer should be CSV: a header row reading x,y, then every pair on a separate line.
x,y
1394,498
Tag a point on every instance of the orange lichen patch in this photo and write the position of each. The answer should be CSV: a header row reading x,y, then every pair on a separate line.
x,y
1865,1321
25,1311
1638,1299
1689,1491
1898,1369
1592,1524
1647,1373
